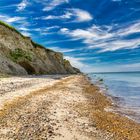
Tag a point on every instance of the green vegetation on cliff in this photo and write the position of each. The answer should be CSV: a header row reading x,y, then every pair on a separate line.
x,y
19,54
40,46
10,27
15,30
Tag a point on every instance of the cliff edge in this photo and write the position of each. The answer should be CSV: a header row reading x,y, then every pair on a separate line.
x,y
19,55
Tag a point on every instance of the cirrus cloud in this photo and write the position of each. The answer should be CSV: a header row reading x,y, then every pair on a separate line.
x,y
21,6
106,38
74,15
52,4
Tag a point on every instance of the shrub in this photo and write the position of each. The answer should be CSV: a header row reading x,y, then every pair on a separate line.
x,y
19,54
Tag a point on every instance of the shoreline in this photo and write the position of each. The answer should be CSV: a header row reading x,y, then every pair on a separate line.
x,y
66,108
114,122
118,103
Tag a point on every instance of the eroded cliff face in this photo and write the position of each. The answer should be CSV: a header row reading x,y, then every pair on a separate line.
x,y
19,55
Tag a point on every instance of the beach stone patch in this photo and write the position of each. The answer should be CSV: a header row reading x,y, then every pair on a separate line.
x,y
64,111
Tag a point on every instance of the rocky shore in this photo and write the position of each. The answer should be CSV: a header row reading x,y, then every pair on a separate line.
x,y
59,108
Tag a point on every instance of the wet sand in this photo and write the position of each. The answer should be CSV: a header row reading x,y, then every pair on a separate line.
x,y
59,108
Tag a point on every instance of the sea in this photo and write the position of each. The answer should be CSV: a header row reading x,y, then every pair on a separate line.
x,y
124,90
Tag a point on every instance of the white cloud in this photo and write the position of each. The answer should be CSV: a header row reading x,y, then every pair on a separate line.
x,y
134,28
52,27
65,16
9,19
116,67
41,29
21,6
20,23
120,44
64,30
52,4
25,33
74,14
104,38
79,33
60,41
23,29
8,6
63,50
14,19
116,0
131,67
76,62
81,15
89,34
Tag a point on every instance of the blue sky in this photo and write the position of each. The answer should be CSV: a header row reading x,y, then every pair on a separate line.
x,y
95,35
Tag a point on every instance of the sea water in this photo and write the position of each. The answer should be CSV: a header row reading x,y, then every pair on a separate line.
x,y
124,88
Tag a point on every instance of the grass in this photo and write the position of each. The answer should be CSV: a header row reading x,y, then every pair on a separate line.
x,y
19,54
40,46
15,30
66,61
10,27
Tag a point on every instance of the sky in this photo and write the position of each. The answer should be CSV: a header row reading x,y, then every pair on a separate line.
x,y
95,35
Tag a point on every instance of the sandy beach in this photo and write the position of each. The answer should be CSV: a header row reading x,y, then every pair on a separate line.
x,y
59,108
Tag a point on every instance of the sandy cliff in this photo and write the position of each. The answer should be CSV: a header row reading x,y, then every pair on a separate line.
x,y
19,55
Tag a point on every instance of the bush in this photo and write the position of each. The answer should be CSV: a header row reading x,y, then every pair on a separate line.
x,y
19,54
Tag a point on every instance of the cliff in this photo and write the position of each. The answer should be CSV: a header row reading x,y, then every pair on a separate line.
x,y
19,55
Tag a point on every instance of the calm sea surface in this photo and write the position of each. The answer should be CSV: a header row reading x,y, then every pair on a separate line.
x,y
124,88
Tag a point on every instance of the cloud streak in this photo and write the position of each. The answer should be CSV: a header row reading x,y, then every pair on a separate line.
x,y
106,38
81,15
20,23
52,4
76,62
73,14
21,6
15,19
94,34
